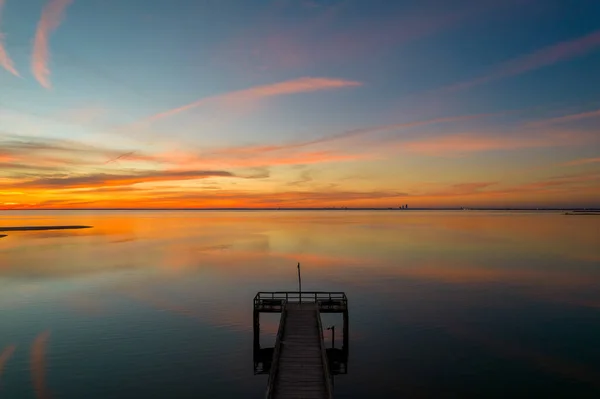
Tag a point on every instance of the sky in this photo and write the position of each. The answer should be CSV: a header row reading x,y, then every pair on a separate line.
x,y
299,103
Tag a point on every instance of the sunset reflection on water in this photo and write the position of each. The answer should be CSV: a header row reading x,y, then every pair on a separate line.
x,y
470,299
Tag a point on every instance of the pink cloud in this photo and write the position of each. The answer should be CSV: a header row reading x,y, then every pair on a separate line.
x,y
478,142
566,118
302,85
5,60
349,134
50,21
297,48
295,153
311,41
583,161
538,59
251,157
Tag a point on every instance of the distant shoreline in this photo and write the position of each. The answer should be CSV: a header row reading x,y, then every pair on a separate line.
x,y
42,228
302,209
583,213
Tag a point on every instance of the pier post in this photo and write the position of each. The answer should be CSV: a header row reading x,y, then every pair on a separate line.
x,y
256,328
346,333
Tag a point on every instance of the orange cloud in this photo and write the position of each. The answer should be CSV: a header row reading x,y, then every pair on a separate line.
x,y
293,153
583,161
252,157
538,59
38,365
50,20
109,180
5,356
5,60
39,153
302,85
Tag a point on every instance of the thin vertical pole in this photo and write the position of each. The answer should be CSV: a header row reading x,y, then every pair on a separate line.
x,y
256,325
299,283
346,344
333,336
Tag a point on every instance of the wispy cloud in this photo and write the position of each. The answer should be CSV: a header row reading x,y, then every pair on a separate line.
x,y
396,127
302,85
44,152
469,142
566,119
51,18
5,60
106,180
322,40
538,59
583,161
294,152
38,365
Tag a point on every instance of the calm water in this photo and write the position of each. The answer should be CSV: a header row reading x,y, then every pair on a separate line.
x,y
159,304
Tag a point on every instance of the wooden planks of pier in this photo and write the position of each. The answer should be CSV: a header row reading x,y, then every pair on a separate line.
x,y
301,368
298,365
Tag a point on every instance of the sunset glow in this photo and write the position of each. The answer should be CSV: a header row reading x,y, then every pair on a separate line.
x,y
320,103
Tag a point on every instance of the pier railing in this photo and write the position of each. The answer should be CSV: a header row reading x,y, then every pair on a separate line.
x,y
326,371
274,301
276,356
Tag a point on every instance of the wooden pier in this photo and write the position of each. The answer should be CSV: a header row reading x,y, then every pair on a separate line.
x,y
299,366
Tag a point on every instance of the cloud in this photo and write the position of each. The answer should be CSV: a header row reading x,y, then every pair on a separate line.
x,y
302,85
5,60
50,21
332,36
38,365
396,127
104,180
304,178
21,153
44,152
461,189
295,153
565,119
469,142
538,59
582,161
564,183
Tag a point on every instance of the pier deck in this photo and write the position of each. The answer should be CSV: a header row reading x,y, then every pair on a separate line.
x,y
300,367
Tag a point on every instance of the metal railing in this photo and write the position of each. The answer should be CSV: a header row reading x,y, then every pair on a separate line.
x,y
324,359
276,352
278,298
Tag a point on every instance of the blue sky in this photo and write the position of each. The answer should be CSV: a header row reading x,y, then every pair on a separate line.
x,y
479,103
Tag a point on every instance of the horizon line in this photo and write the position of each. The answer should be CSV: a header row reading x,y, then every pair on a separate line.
x,y
532,208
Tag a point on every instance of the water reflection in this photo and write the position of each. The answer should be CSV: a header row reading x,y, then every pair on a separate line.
x,y
5,356
38,365
481,303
